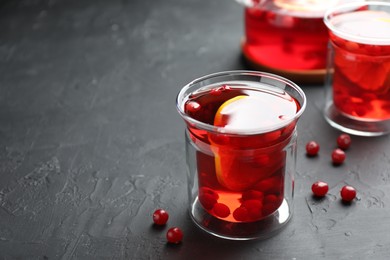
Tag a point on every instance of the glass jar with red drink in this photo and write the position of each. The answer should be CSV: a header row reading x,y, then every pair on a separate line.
x,y
240,150
287,37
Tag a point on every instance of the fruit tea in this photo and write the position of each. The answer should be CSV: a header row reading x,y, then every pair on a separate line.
x,y
241,176
287,35
361,79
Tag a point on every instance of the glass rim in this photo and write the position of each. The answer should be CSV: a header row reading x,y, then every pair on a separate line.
x,y
349,8
181,96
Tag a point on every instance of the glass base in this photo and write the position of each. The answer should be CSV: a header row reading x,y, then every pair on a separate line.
x,y
261,229
353,126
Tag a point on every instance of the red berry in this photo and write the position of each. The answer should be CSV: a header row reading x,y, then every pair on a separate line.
x,y
271,185
348,193
174,235
252,194
338,156
320,188
268,209
273,199
225,88
344,141
206,190
240,214
221,210
272,203
218,91
160,217
312,148
215,92
192,106
254,208
207,200
262,160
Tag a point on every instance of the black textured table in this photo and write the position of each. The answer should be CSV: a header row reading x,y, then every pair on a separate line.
x,y
91,142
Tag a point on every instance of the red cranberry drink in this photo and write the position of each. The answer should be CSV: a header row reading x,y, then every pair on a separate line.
x,y
240,130
361,81
287,35
235,185
360,38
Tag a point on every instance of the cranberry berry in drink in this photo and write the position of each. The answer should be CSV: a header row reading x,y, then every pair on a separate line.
x,y
240,142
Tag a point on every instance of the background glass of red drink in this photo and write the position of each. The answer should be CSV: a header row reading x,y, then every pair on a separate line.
x,y
287,37
358,84
240,180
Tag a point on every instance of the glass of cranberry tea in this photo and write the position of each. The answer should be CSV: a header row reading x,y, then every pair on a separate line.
x,y
287,37
241,150
358,78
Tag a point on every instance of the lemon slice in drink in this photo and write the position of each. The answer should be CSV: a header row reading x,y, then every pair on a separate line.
x,y
221,117
223,161
234,168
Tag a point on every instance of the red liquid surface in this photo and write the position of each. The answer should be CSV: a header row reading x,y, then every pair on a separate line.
x,y
241,177
283,41
361,80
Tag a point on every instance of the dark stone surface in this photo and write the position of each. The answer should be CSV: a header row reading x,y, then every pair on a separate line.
x,y
91,143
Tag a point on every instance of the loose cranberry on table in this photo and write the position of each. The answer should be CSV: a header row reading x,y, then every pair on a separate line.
x,y
174,235
338,156
312,148
344,141
160,217
348,193
320,188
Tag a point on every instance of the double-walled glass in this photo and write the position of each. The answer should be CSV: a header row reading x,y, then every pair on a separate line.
x,y
358,85
241,177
